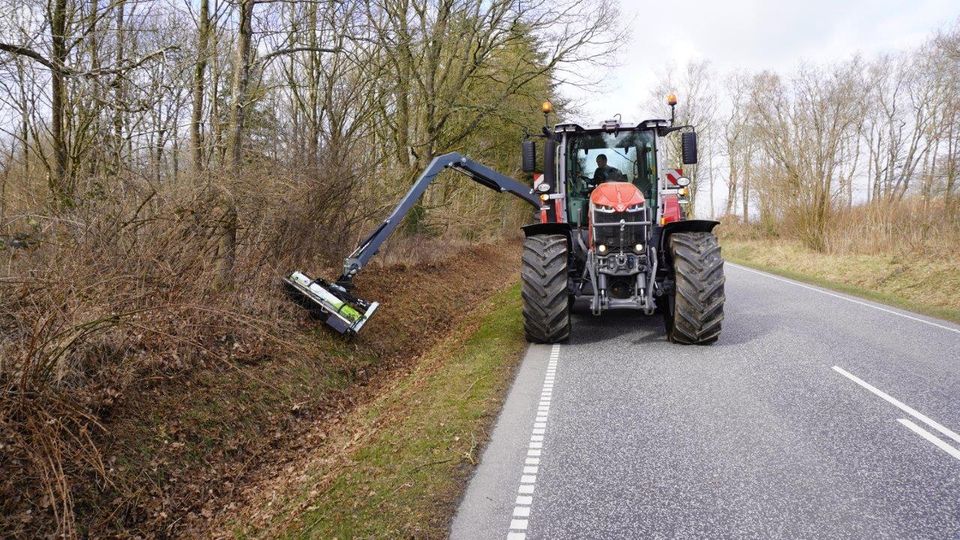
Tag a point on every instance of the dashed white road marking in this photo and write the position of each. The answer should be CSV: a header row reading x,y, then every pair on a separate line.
x,y
821,291
930,437
531,467
899,404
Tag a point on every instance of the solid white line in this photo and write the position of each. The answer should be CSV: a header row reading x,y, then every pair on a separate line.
x,y
899,404
821,291
930,437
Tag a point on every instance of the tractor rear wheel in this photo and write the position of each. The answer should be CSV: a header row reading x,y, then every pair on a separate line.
x,y
546,307
695,309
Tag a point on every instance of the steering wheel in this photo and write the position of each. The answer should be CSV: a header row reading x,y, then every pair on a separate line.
x,y
587,181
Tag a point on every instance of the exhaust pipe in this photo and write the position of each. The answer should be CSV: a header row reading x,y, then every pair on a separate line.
x,y
341,310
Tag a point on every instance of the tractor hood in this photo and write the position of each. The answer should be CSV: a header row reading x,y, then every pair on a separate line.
x,y
617,195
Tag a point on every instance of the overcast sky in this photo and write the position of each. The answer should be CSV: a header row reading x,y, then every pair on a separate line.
x,y
754,35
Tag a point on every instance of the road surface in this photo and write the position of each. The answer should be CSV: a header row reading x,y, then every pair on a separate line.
x,y
816,415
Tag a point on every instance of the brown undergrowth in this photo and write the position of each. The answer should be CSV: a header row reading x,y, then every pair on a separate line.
x,y
904,253
141,390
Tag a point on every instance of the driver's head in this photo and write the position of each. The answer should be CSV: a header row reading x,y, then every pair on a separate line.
x,y
602,160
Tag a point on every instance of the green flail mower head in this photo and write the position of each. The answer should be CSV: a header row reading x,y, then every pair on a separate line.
x,y
333,303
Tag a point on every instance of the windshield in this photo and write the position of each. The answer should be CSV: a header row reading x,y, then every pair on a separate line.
x,y
629,156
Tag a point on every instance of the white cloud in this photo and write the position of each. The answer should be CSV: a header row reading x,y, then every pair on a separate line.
x,y
752,35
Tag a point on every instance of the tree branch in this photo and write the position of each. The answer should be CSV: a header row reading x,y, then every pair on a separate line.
x,y
279,52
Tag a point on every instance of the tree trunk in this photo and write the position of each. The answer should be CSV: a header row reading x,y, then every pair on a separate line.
x,y
59,180
313,96
24,118
745,188
241,82
119,94
199,72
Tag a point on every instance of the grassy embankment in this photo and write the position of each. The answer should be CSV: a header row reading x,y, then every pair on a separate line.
x,y
901,255
930,287
397,466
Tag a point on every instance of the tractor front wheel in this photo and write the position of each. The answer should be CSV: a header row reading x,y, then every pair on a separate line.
x,y
694,310
546,308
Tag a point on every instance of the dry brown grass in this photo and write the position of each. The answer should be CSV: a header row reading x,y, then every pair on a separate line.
x,y
117,320
908,228
107,299
906,253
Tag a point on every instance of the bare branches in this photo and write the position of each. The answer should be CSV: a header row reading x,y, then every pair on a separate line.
x,y
291,50
32,54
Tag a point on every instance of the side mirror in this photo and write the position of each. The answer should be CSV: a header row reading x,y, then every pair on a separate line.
x,y
688,147
528,154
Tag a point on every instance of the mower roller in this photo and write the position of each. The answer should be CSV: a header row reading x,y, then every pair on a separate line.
x,y
613,233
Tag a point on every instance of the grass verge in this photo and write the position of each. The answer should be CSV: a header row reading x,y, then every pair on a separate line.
x,y
930,287
398,467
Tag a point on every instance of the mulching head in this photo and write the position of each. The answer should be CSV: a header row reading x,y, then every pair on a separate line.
x,y
331,302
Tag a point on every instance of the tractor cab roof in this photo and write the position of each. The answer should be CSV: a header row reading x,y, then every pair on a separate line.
x,y
610,125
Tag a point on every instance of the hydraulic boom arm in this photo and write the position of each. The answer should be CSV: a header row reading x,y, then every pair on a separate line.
x,y
481,174
335,302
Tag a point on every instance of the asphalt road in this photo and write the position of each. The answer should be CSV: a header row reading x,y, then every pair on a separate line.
x,y
816,415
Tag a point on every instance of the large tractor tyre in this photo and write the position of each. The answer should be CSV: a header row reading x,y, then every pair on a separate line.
x,y
694,311
546,307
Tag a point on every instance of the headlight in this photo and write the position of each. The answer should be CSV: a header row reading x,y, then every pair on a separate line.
x,y
638,248
602,249
604,209
543,187
635,208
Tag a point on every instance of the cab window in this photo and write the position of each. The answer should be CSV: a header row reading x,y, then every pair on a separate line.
x,y
632,154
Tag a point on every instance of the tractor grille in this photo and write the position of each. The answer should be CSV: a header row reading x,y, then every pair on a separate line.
x,y
606,229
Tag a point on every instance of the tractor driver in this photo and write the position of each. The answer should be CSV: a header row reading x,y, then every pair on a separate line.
x,y
605,173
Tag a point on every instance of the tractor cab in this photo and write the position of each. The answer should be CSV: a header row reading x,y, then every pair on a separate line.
x,y
629,154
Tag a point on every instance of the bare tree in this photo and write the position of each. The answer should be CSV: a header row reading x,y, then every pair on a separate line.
x,y
698,106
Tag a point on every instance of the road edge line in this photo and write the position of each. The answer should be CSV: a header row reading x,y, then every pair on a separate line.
x,y
841,297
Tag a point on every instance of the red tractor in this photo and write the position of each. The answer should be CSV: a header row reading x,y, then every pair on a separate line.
x,y
613,233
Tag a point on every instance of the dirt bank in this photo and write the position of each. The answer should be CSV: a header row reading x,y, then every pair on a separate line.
x,y
178,451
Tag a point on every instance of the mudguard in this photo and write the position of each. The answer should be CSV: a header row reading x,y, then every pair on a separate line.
x,y
535,229
687,225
